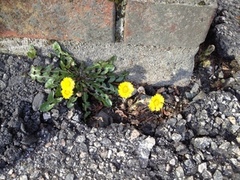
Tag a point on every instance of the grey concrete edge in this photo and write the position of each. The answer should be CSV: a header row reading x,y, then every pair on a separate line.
x,y
147,64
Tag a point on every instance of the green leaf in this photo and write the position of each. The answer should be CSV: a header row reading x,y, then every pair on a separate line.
x,y
106,100
112,59
85,105
62,65
56,74
73,99
32,53
46,106
50,83
58,100
85,97
108,68
35,71
86,114
93,67
101,96
57,49
58,92
100,79
70,104
40,74
50,97
98,70
209,50
113,89
40,79
69,60
104,87
120,79
47,70
66,60
112,79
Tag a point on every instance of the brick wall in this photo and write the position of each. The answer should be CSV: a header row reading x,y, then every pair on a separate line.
x,y
80,20
158,42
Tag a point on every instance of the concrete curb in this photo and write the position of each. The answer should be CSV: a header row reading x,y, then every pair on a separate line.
x,y
146,64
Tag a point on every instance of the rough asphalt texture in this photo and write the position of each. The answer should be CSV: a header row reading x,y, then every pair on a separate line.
x,y
200,143
226,29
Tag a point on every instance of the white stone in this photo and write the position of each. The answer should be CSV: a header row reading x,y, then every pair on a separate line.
x,y
202,167
232,119
176,137
134,134
172,162
179,172
23,177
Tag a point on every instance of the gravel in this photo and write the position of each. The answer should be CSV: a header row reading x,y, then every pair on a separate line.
x,y
226,29
201,142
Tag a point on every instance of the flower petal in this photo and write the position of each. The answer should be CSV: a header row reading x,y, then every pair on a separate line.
x,y
125,89
67,83
156,102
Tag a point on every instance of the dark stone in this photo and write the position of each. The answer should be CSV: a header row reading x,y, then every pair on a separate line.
x,y
190,167
2,164
5,138
2,66
30,119
188,110
148,128
150,90
13,154
28,140
104,118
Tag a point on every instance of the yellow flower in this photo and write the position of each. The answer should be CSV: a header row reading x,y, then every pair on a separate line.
x,y
125,89
156,102
67,93
67,83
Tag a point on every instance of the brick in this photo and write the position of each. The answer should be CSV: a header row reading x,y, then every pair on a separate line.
x,y
80,20
160,38
166,24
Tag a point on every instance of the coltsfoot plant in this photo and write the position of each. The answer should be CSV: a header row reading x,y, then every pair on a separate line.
x,y
204,57
154,103
70,81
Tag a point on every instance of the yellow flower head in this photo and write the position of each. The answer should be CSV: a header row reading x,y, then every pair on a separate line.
x,y
156,102
67,93
125,89
67,83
